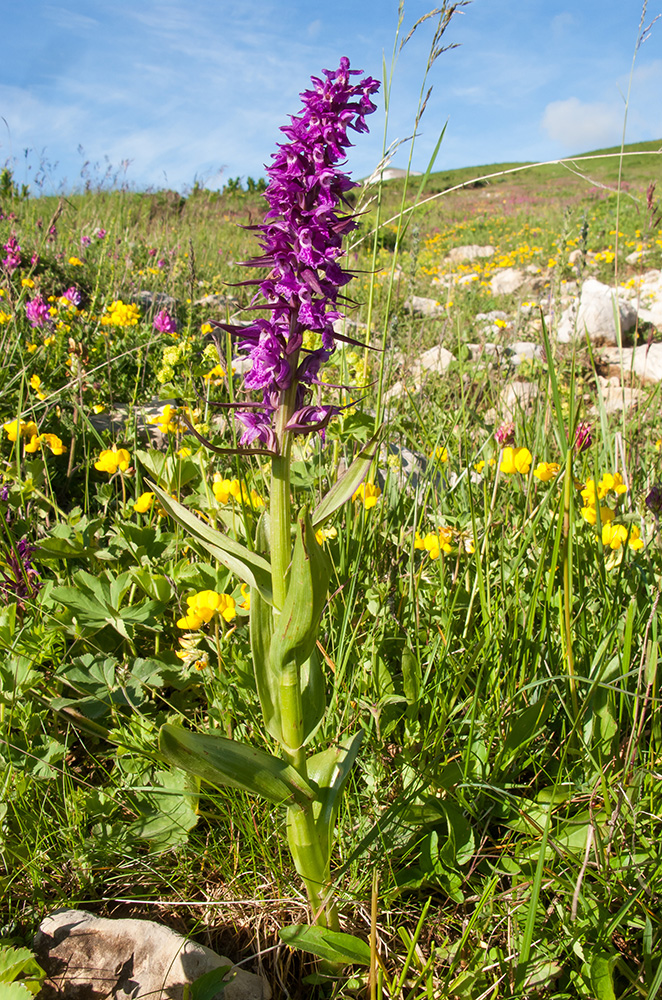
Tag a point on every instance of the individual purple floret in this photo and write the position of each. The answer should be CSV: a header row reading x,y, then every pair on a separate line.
x,y
164,322
100,234
38,312
13,251
583,437
73,295
301,238
85,241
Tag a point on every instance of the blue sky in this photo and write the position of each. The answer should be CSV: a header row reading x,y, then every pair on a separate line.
x,y
197,89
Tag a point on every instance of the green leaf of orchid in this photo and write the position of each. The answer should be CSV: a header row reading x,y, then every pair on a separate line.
x,y
250,567
227,763
329,770
295,628
335,946
344,489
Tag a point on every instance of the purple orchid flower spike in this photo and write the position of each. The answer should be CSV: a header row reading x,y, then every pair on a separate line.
x,y
301,239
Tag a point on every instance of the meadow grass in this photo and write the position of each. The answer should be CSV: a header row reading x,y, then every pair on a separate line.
x,y
500,837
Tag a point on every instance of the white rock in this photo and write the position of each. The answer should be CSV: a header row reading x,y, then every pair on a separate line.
x,y
594,315
153,301
437,359
87,956
470,252
518,397
635,256
617,397
506,281
526,350
644,361
421,306
489,317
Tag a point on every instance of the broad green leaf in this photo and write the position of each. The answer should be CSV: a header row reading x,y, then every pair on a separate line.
x,y
225,762
250,567
313,694
295,628
330,770
334,946
602,980
15,962
266,680
349,482
211,985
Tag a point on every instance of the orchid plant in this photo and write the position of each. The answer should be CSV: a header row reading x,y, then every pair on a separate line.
x,y
288,572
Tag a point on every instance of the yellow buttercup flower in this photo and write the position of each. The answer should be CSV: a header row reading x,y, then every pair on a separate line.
x,y
20,428
589,514
226,489
35,383
52,440
246,594
614,535
435,542
204,605
121,314
144,503
439,454
516,460
611,482
113,459
544,471
75,262
368,493
322,534
27,282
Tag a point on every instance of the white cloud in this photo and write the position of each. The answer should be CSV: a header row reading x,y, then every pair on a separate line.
x,y
580,125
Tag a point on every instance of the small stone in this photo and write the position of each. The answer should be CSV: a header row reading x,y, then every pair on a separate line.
x,y
469,252
594,315
151,302
91,958
617,397
420,306
507,281
644,361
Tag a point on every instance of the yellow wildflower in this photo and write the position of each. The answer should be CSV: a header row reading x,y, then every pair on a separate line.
x,y
544,471
613,535
611,482
368,493
113,459
435,542
204,605
75,262
52,440
31,348
516,460
35,383
589,514
246,594
144,503
98,408
120,314
20,428
322,534
27,282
